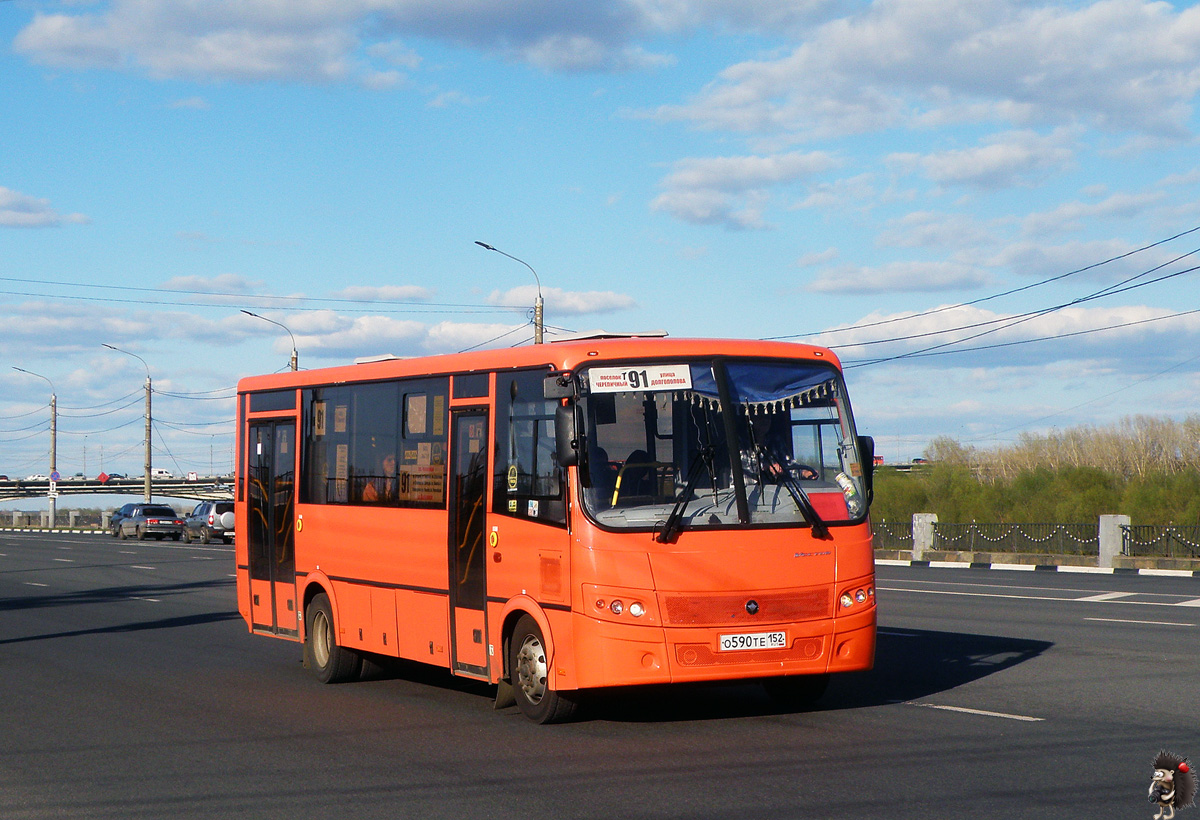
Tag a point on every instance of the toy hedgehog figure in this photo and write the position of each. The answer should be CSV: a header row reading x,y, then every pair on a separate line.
x,y
1173,784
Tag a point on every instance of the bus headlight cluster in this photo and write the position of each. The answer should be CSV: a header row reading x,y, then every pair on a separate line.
x,y
617,606
860,596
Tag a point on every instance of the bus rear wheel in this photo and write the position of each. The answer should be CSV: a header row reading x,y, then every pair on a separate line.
x,y
529,669
329,662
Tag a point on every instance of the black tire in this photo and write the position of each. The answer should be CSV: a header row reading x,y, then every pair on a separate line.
x,y
529,670
121,536
204,535
796,691
113,530
141,534
329,662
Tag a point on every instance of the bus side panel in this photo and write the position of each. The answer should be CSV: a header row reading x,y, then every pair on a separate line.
x,y
387,547
423,627
527,558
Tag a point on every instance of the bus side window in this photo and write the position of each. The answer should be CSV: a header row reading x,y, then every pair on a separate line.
x,y
528,482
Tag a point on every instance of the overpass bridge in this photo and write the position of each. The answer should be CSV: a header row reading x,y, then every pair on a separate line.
x,y
204,488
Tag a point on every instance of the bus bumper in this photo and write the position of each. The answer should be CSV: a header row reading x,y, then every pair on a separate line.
x,y
623,654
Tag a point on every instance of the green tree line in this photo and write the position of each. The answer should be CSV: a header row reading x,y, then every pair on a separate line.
x,y
1145,467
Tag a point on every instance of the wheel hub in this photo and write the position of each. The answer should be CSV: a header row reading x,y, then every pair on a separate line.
x,y
531,669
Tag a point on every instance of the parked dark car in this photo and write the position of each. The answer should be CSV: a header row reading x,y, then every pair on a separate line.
x,y
156,521
210,521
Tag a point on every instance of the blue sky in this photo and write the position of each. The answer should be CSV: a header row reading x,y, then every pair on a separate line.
x,y
875,176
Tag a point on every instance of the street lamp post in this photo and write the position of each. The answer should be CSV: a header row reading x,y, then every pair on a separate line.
x,y
294,362
146,489
537,305
50,492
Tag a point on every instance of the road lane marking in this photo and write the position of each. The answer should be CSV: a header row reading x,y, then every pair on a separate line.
x,y
1094,598
982,712
1126,621
1106,596
64,560
138,566
35,584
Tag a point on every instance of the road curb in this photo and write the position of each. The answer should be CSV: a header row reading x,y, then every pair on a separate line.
x,y
1171,573
55,531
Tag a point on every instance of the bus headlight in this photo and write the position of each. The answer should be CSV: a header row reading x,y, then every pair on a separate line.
x,y
616,607
846,600
636,609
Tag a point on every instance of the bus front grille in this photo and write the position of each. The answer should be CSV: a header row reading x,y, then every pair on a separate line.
x,y
702,654
747,608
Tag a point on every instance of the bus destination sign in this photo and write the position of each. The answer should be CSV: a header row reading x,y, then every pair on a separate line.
x,y
644,377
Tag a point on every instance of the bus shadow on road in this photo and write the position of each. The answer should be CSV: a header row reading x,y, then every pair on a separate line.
x,y
910,664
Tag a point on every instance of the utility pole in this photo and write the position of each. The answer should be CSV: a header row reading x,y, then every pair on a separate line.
x,y
146,488
51,493
537,305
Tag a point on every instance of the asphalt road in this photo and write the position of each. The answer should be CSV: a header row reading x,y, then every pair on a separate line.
x,y
132,690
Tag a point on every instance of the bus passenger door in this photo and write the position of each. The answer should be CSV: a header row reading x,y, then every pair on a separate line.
x,y
468,508
270,492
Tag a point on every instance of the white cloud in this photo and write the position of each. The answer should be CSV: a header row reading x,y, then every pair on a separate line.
x,y
564,302
733,191
929,229
1003,161
1071,216
1121,65
394,293
899,277
18,210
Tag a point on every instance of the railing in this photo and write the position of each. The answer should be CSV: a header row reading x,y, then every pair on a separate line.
x,y
1054,539
892,535
1141,541
1144,540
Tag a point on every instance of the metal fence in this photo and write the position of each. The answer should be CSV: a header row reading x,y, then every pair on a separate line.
x,y
1053,539
1140,541
1171,541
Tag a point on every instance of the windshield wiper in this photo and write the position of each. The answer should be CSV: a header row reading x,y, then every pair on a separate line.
x,y
674,523
803,503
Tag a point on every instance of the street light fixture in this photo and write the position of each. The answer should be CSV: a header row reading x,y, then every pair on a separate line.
x,y
537,306
50,492
146,491
285,327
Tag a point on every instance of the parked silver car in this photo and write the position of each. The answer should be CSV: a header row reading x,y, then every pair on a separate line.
x,y
156,521
210,521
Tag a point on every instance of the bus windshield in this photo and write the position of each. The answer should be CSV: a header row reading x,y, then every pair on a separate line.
x,y
690,445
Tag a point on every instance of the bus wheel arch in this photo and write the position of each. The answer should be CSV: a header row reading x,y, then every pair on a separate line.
x,y
530,657
328,661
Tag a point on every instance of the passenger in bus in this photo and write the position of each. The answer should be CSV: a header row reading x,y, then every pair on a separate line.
x,y
637,476
382,488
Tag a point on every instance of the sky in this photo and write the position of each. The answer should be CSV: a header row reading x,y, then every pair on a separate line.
x,y
990,209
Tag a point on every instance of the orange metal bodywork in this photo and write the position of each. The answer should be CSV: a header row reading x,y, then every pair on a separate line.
x,y
385,570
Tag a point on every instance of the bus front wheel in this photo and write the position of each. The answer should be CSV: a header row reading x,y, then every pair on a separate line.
x,y
328,661
529,669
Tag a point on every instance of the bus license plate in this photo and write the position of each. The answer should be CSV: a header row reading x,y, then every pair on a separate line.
x,y
753,640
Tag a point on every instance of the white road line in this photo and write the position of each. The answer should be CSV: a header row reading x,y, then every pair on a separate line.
x,y
35,584
1105,596
151,600
1042,597
982,712
1125,621
64,560
138,566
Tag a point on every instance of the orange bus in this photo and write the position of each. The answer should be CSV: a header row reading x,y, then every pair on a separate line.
x,y
563,517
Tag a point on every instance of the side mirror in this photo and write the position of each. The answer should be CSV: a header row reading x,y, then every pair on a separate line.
x,y
566,433
558,386
866,450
